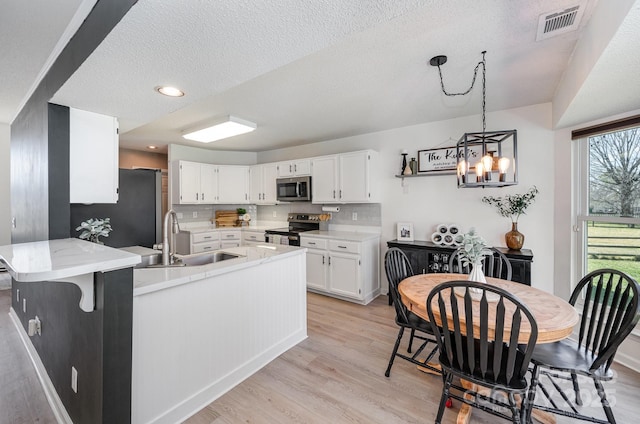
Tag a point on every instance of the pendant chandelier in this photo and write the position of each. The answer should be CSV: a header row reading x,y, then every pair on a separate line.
x,y
487,158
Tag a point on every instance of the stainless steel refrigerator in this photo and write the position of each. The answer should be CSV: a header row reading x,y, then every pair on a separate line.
x,y
137,217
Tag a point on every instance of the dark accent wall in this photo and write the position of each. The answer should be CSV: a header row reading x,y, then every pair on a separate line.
x,y
32,151
98,344
58,159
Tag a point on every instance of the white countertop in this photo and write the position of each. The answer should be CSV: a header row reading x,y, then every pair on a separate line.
x,y
147,280
341,235
64,258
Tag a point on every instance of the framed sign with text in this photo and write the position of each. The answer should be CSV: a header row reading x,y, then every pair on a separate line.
x,y
444,160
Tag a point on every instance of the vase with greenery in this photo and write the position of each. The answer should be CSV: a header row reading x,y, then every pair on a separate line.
x,y
94,228
512,206
472,251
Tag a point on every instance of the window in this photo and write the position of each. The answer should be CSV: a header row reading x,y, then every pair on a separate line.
x,y
609,202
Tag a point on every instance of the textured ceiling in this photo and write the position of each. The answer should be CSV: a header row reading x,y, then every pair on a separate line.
x,y
29,32
323,69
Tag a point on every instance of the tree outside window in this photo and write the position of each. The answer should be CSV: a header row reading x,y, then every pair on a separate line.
x,y
613,218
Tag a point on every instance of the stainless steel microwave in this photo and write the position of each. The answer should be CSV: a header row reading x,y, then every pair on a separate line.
x,y
296,189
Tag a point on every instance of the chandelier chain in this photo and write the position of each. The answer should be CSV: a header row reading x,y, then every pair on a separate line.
x,y
473,82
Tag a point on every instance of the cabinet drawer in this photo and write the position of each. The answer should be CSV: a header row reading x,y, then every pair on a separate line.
x,y
229,235
229,244
205,247
313,243
254,237
206,237
344,246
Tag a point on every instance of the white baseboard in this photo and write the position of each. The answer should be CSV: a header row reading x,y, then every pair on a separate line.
x,y
192,405
57,407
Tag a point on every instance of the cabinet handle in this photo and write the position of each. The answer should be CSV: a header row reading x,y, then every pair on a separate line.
x,y
322,259
197,194
230,235
207,237
245,196
206,247
290,168
341,194
334,194
202,196
342,247
312,243
295,168
329,260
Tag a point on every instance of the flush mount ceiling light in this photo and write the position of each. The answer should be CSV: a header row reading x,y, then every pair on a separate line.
x,y
152,147
169,91
219,129
487,158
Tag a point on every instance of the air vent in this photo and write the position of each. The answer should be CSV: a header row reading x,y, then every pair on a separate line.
x,y
558,22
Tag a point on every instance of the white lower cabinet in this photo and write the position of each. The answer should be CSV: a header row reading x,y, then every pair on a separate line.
x,y
343,268
197,241
252,237
229,238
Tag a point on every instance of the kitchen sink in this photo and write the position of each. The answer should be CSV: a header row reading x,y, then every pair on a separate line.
x,y
155,261
207,258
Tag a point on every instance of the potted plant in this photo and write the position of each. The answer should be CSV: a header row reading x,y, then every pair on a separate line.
x,y
512,206
472,251
93,228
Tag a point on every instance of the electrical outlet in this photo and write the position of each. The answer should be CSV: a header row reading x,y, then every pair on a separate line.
x,y
74,379
24,305
274,214
354,216
195,214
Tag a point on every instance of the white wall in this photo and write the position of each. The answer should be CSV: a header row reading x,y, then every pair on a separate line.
x,y
218,157
5,187
431,200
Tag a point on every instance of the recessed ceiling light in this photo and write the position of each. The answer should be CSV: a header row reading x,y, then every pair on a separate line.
x,y
152,147
219,129
169,91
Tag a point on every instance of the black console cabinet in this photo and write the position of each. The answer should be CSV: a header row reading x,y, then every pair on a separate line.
x,y
426,257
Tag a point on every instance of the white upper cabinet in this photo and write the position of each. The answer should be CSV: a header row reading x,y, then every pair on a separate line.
x,y
294,168
193,182
345,178
324,180
263,184
233,184
203,183
93,157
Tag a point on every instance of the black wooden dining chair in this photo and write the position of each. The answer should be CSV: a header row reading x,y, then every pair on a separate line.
x,y
609,312
397,268
496,265
493,357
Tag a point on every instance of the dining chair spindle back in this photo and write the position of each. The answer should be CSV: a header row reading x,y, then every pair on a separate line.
x,y
610,311
476,346
397,268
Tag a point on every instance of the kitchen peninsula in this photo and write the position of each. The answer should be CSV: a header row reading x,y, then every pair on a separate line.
x,y
159,343
199,331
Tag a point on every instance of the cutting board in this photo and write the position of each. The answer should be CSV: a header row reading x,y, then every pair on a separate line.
x,y
226,218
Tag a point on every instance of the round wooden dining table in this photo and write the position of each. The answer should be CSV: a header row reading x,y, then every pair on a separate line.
x,y
555,317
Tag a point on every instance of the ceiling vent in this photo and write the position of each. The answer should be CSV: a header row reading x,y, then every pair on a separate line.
x,y
559,22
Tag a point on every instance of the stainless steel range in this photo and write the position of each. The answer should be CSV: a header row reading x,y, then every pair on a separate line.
x,y
298,223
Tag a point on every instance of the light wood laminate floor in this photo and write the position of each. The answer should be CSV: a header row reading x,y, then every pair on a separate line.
x,y
335,376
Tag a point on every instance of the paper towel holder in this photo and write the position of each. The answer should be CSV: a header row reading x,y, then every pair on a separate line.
x,y
331,208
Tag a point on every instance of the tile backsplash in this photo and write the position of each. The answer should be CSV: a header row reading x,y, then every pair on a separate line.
x,y
208,212
366,214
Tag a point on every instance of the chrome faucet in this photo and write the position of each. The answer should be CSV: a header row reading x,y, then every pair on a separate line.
x,y
168,242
